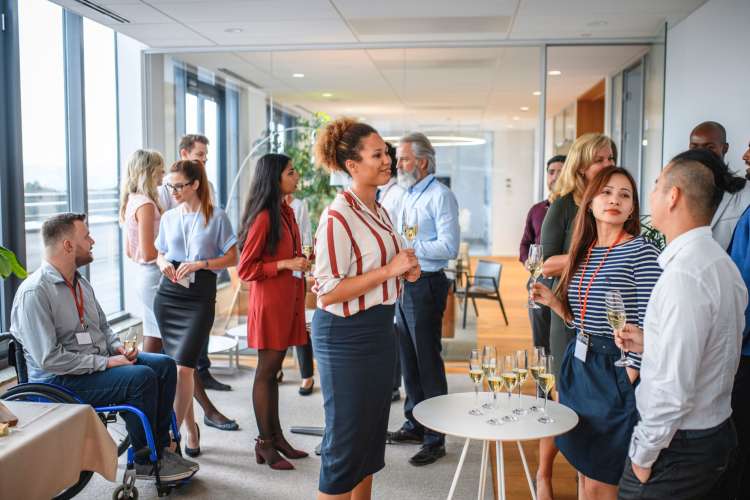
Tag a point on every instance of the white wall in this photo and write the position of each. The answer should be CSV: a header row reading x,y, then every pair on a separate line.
x,y
512,188
708,76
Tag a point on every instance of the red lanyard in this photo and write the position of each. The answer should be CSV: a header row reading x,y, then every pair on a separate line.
x,y
79,303
585,301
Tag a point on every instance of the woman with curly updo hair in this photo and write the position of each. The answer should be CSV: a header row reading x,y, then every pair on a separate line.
x,y
359,260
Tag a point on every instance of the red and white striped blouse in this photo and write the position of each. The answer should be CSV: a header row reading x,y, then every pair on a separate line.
x,y
351,240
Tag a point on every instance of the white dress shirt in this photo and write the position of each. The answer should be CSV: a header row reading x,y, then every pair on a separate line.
x,y
692,339
391,197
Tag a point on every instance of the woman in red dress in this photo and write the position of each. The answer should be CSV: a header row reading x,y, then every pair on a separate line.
x,y
272,261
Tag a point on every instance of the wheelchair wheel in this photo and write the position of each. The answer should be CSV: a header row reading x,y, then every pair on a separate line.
x,y
122,493
44,393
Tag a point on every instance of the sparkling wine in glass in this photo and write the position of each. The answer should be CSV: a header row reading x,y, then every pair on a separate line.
x,y
476,373
489,365
410,227
130,340
537,367
522,371
534,266
510,379
496,385
546,383
616,318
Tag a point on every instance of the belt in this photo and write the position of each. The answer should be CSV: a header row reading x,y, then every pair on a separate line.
x,y
702,433
603,345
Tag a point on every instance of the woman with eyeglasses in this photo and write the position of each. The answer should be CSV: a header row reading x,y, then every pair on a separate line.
x,y
195,241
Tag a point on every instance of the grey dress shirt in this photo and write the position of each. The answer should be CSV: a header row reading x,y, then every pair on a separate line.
x,y
45,319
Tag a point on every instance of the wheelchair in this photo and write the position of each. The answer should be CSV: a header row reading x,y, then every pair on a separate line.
x,y
51,393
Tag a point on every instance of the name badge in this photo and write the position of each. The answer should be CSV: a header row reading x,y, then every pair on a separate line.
x,y
297,274
582,346
83,338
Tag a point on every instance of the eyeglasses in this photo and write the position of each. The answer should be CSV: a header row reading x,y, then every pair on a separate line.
x,y
176,188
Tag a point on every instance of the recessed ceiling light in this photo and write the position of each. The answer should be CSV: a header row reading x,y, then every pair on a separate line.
x,y
554,72
362,119
298,75
536,92
524,108
233,30
597,23
516,118
327,94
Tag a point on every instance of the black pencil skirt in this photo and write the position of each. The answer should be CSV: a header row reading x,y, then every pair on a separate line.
x,y
186,316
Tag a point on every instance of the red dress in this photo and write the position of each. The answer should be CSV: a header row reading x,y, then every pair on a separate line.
x,y
276,306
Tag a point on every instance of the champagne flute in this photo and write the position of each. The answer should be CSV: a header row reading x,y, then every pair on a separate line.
x,y
510,378
496,385
534,266
307,247
476,374
410,227
489,365
616,318
537,367
522,371
546,383
130,340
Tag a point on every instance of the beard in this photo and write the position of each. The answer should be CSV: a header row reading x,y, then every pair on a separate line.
x,y
406,179
84,259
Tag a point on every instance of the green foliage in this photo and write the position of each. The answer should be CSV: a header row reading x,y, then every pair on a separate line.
x,y
652,234
314,186
9,264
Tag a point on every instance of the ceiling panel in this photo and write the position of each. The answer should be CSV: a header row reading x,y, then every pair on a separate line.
x,y
276,32
230,11
425,8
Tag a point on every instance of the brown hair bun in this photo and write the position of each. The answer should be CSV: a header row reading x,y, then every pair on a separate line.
x,y
339,141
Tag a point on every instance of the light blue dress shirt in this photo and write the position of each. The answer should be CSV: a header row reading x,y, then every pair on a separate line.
x,y
207,241
438,233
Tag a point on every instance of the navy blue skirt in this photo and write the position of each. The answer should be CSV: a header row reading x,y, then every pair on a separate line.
x,y
604,399
356,357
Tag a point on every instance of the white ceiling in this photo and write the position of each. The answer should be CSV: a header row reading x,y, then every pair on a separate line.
x,y
337,48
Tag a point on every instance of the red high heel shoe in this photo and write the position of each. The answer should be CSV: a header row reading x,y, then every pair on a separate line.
x,y
281,445
265,452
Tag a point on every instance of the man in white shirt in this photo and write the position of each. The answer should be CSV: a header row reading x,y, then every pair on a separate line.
x,y
691,347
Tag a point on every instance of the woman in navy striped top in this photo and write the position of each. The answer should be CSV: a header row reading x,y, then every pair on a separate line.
x,y
606,254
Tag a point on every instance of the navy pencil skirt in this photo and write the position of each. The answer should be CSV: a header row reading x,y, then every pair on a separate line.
x,y
356,357
604,399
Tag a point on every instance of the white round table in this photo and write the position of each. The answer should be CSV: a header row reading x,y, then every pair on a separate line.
x,y
222,343
449,415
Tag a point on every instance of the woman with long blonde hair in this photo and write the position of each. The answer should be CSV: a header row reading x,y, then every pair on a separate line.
x,y
588,155
140,213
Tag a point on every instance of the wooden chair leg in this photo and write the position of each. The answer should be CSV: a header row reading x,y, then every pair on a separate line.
x,y
466,305
474,303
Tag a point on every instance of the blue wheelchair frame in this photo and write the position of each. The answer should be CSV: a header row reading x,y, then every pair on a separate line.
x,y
129,477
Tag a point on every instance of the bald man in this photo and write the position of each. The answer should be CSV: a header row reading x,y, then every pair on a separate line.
x,y
712,136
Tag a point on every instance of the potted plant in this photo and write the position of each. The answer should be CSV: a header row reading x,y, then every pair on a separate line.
x,y
9,264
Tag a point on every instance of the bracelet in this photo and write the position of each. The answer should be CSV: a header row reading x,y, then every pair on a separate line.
x,y
206,261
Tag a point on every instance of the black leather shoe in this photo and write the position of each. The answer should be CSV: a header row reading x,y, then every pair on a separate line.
x,y
306,391
427,455
395,395
403,436
209,382
229,425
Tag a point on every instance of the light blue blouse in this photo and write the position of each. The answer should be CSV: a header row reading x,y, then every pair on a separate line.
x,y
207,241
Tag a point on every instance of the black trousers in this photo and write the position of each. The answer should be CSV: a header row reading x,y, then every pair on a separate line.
x,y
305,358
690,468
397,367
419,320
735,483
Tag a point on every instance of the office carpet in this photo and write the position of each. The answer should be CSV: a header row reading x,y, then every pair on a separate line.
x,y
228,468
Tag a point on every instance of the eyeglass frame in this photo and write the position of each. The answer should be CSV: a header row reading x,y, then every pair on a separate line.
x,y
177,188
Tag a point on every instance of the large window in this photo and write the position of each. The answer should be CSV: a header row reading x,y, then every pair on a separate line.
x,y
100,76
43,119
202,116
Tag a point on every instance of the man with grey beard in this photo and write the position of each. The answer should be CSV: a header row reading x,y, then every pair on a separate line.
x,y
430,210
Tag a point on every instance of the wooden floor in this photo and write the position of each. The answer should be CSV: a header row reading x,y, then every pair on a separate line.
x,y
491,330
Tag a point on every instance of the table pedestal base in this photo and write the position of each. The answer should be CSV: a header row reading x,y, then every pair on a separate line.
x,y
483,471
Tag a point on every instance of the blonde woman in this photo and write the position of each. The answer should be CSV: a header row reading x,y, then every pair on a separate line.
x,y
140,213
589,155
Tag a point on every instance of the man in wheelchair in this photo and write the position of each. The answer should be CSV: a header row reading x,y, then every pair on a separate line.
x,y
68,342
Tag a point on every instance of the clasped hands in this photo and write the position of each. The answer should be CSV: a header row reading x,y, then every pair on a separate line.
x,y
405,265
184,270
123,358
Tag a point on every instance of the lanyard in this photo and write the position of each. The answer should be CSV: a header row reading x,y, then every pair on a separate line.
x,y
403,214
79,303
186,238
585,301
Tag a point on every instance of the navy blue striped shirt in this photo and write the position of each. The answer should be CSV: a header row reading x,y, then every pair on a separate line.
x,y
631,268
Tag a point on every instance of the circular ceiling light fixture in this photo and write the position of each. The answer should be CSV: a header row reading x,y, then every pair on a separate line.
x,y
537,92
233,30
327,94
443,141
298,75
524,108
554,72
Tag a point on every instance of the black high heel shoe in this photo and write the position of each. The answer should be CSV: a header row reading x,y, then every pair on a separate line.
x,y
193,452
306,391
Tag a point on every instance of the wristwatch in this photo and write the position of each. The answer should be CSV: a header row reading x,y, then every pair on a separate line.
x,y
206,261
